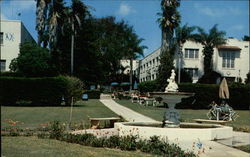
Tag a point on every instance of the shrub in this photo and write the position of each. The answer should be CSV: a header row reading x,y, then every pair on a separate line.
x,y
37,91
210,78
154,145
74,89
56,130
112,142
128,143
247,81
33,61
148,86
185,76
206,93
93,94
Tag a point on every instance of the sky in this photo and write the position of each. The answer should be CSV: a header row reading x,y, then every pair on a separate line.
x,y
232,16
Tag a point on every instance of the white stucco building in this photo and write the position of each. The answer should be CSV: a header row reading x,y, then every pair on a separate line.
x,y
231,60
12,34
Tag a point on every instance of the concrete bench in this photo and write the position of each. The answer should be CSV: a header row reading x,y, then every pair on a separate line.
x,y
210,121
95,122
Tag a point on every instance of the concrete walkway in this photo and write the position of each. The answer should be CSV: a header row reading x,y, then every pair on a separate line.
x,y
125,112
209,148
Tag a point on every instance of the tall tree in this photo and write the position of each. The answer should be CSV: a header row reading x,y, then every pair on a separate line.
x,y
134,51
75,14
183,34
246,38
41,17
169,20
164,69
209,41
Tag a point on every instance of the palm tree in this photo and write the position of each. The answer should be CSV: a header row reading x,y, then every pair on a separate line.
x,y
183,34
134,51
41,17
75,15
55,22
169,20
209,41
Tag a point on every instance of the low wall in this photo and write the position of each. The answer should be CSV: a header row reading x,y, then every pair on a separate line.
x,y
181,134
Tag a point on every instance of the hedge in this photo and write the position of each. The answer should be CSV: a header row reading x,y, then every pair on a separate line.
x,y
93,94
206,93
39,91
147,86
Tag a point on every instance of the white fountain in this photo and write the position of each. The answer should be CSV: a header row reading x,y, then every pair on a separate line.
x,y
171,96
171,128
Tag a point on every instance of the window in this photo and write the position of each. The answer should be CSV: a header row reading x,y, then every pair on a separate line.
x,y
3,65
228,58
191,53
193,72
1,38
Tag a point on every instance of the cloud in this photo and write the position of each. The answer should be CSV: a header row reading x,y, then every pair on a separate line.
x,y
125,9
214,12
218,11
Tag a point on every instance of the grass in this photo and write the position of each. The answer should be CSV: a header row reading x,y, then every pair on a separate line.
x,y
32,146
242,123
245,148
33,117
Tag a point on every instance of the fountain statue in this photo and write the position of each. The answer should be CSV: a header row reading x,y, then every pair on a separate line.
x,y
171,96
172,86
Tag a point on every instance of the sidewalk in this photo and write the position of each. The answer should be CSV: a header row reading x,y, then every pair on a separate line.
x,y
125,112
211,148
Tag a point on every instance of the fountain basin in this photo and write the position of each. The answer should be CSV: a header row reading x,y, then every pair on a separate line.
x,y
186,132
171,97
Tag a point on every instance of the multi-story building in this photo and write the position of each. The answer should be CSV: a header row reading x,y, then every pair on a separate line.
x,y
148,67
230,60
12,34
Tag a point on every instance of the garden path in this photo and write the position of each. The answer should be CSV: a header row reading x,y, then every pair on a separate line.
x,y
125,112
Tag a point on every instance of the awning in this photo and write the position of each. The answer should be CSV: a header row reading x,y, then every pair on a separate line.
x,y
114,84
234,48
125,84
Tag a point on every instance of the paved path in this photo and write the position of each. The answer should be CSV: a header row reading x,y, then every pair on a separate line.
x,y
125,112
211,148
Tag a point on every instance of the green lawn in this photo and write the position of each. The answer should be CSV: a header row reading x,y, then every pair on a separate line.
x,y
186,114
32,117
32,146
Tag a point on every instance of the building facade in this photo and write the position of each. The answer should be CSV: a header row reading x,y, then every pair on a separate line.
x,y
12,34
230,60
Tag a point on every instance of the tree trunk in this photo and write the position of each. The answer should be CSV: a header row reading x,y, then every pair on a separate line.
x,y
179,63
208,55
72,51
131,74
164,43
39,40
